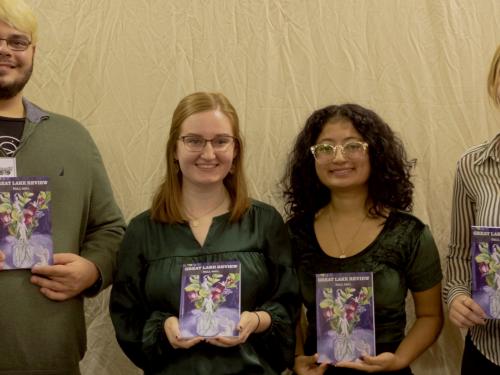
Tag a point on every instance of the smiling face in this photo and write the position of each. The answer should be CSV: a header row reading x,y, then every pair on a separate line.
x,y
15,66
207,167
343,173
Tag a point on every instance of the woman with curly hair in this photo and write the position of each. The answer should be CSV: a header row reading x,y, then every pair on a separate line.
x,y
348,196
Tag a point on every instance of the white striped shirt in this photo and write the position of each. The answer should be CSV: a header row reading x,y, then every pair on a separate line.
x,y
476,201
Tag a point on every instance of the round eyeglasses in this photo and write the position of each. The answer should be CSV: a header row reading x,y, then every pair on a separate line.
x,y
325,152
196,143
16,43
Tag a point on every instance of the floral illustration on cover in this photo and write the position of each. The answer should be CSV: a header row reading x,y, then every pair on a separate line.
x,y
343,310
488,267
211,304
25,237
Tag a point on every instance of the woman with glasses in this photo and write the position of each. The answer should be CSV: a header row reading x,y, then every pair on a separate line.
x,y
476,201
201,213
348,195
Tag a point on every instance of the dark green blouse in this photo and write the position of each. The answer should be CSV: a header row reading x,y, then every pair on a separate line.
x,y
403,257
146,292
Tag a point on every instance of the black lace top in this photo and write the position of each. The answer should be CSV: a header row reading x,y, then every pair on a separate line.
x,y
403,257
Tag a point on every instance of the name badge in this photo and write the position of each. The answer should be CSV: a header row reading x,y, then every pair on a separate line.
x,y
8,167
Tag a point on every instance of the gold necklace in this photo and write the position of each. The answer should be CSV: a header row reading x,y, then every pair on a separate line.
x,y
195,221
343,253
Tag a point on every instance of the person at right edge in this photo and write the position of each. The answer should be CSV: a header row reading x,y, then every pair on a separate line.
x,y
476,201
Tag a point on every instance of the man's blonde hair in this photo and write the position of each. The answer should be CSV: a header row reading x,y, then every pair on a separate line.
x,y
19,15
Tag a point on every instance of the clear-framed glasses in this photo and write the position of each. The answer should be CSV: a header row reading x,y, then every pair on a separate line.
x,y
16,43
197,143
325,152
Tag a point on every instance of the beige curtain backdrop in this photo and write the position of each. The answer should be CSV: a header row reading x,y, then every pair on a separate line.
x,y
121,66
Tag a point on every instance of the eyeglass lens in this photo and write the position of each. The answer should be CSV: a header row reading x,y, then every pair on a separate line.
x,y
195,143
326,152
16,44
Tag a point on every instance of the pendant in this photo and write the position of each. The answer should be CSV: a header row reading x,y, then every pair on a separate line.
x,y
194,223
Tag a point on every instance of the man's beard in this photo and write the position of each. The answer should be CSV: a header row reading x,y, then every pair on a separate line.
x,y
9,90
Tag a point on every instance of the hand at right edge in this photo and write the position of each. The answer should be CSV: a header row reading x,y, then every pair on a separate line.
x,y
2,259
171,327
465,312
308,365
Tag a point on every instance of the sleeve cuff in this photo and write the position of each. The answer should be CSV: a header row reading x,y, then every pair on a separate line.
x,y
95,288
457,291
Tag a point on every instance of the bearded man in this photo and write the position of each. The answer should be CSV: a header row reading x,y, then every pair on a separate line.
x,y
41,314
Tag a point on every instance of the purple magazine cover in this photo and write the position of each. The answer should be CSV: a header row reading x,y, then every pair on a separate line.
x,y
344,316
25,225
210,299
485,249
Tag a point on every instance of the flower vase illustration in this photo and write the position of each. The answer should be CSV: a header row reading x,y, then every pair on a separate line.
x,y
343,348
22,249
207,321
495,304
208,296
21,217
343,313
489,268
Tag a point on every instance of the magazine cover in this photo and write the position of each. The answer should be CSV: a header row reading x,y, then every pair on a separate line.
x,y
485,249
25,226
345,316
210,299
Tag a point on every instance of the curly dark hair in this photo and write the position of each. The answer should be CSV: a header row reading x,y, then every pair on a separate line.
x,y
389,185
